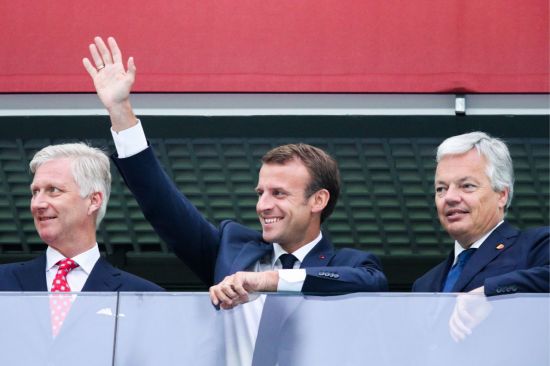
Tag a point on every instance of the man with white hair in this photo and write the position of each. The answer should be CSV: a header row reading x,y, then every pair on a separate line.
x,y
70,191
474,185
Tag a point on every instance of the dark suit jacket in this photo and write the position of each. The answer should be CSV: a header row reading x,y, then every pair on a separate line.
x,y
213,253
521,265
31,276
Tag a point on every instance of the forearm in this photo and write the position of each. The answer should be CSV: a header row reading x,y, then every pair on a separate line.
x,y
122,116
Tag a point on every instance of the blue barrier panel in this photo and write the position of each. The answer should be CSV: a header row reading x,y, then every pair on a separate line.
x,y
277,329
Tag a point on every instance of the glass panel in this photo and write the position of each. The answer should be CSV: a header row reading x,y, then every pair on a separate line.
x,y
87,333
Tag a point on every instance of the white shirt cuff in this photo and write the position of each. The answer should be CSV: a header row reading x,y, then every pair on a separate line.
x,y
130,141
291,280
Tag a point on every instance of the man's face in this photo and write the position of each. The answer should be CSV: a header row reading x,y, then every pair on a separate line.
x,y
467,205
61,216
286,215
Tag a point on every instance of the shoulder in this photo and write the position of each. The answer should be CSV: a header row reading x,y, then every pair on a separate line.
x,y
233,230
106,277
537,232
131,282
350,254
533,236
12,273
9,268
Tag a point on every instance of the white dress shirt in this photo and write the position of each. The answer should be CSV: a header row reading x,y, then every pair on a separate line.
x,y
77,277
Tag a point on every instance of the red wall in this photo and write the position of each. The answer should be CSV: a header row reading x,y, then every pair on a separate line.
x,y
422,46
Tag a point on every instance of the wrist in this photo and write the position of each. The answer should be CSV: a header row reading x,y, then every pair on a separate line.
x,y
122,116
272,281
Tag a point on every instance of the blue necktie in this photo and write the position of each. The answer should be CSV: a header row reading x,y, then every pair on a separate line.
x,y
456,270
287,260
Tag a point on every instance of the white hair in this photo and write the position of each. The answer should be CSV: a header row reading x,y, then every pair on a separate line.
x,y
89,165
499,167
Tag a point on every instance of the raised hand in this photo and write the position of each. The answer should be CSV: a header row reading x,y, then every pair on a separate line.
x,y
112,81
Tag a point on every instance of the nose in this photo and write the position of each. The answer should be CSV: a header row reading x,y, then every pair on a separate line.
x,y
38,202
452,195
265,203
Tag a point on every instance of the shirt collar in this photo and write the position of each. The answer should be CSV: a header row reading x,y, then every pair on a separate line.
x,y
86,261
476,244
300,254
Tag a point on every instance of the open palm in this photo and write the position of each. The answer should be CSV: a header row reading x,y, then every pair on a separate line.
x,y
112,81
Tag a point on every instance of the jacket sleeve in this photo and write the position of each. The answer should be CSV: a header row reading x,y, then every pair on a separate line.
x,y
194,240
535,274
349,270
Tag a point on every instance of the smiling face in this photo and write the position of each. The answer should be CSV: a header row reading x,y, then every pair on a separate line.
x,y
287,216
63,219
467,205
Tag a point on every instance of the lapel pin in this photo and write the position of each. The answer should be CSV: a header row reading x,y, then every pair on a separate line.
x,y
500,246
322,257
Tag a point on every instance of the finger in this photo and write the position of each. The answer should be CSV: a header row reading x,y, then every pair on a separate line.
x,y
115,51
454,330
103,51
229,291
132,68
226,306
98,61
89,67
462,329
467,318
238,287
221,295
213,298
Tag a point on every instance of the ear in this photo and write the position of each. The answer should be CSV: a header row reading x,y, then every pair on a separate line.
x,y
320,200
503,198
96,199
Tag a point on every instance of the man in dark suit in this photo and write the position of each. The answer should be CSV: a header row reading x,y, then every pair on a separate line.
x,y
70,191
297,190
474,184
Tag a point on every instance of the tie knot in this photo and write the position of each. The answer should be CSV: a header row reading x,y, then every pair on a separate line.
x,y
464,256
67,264
287,260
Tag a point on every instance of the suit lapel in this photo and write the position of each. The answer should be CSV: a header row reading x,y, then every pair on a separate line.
x,y
104,277
441,276
249,254
320,255
32,274
486,253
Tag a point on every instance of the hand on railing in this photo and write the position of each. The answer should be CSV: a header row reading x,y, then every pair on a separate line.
x,y
235,289
470,310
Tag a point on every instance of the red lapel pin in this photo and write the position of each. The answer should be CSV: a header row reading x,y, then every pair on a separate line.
x,y
321,257
500,246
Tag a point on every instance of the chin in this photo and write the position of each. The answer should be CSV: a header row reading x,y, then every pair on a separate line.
x,y
47,237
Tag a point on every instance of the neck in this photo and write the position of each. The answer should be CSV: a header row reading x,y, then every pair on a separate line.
x,y
75,247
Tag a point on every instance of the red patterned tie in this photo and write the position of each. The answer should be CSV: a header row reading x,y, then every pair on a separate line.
x,y
61,304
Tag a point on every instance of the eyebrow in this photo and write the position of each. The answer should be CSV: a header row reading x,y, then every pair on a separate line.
x,y
468,177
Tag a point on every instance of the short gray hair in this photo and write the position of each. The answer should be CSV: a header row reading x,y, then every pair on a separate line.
x,y
500,169
90,168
